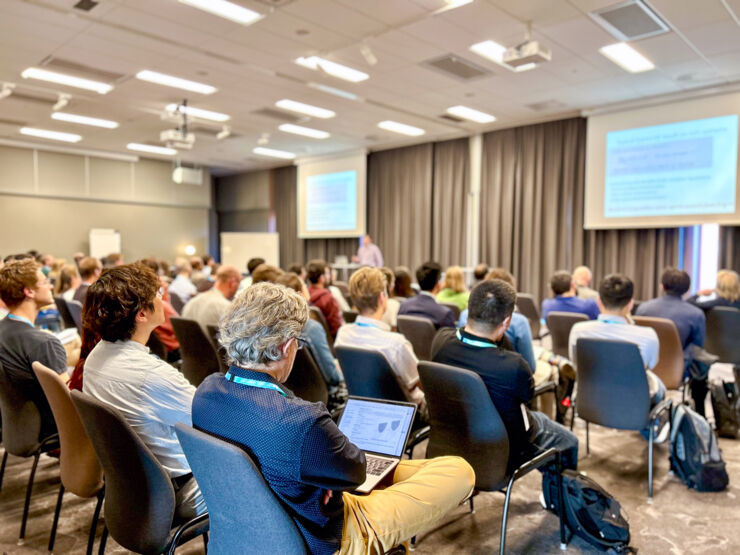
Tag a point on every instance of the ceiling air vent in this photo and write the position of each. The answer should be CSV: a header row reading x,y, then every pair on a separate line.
x,y
457,67
629,20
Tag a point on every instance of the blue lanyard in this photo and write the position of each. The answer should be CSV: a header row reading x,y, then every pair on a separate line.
x,y
366,325
253,383
475,342
605,321
20,319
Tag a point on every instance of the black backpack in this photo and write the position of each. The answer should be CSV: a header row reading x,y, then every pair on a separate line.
x,y
591,512
726,408
695,455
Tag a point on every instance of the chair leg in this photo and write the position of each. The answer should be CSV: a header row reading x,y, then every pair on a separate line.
x,y
205,542
505,516
103,538
28,498
94,523
561,504
2,469
572,414
650,466
472,507
55,522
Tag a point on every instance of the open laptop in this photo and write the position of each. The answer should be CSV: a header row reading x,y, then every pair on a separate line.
x,y
381,429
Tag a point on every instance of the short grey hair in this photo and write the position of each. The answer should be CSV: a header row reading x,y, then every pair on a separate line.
x,y
262,318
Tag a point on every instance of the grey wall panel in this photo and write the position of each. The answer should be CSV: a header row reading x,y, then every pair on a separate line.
x,y
153,182
246,191
61,175
244,220
16,170
110,179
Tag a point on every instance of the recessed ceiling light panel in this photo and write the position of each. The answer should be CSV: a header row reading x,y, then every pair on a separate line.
x,y
53,135
84,120
68,80
305,131
197,112
272,153
627,57
470,114
332,68
401,128
307,109
175,82
154,149
227,10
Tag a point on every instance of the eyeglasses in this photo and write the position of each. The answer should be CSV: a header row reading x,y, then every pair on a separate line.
x,y
301,343
160,292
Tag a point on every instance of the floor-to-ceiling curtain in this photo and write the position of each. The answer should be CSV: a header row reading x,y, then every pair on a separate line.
x,y
284,206
729,247
449,201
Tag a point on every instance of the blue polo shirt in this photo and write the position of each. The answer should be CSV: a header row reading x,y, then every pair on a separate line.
x,y
296,445
571,304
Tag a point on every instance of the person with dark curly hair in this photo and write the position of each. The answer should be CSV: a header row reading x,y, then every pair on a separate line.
x,y
123,307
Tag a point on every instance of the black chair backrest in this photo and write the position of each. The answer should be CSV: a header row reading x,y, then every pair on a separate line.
x,y
21,420
245,515
199,357
177,303
369,374
723,333
306,380
75,310
139,497
316,314
454,308
464,422
156,346
526,305
612,384
350,316
213,332
559,324
420,333
61,304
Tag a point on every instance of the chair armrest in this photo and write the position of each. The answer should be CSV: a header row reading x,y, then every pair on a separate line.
x,y
535,463
660,407
544,388
419,435
199,525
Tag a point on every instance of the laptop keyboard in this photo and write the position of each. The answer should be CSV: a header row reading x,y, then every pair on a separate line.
x,y
376,467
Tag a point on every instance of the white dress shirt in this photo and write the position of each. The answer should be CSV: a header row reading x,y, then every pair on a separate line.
x,y
183,288
608,326
207,308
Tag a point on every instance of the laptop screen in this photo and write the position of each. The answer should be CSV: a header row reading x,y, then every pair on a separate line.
x,y
377,426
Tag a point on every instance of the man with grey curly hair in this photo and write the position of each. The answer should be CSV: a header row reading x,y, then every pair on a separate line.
x,y
304,457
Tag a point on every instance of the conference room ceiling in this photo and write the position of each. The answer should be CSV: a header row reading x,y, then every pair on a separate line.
x,y
253,67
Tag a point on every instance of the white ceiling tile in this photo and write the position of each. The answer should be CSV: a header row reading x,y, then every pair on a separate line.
x,y
390,12
687,14
537,11
484,21
717,38
355,24
666,49
288,26
441,32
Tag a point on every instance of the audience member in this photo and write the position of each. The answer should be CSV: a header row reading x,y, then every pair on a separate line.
x,y
47,264
726,293
208,308
402,288
78,256
24,290
331,277
368,287
123,308
582,281
615,301
112,260
565,300
368,254
505,373
424,304
252,263
265,272
90,269
208,266
67,282
303,456
321,297
453,288
197,274
479,273
182,286
299,270
392,304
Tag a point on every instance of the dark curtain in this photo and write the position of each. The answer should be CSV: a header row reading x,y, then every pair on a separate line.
x,y
449,201
729,248
285,205
399,204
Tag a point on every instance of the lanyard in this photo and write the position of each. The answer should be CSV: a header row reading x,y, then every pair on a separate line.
x,y
20,319
366,325
605,321
253,383
475,342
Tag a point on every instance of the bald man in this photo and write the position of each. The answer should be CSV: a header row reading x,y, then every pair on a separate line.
x,y
207,308
582,279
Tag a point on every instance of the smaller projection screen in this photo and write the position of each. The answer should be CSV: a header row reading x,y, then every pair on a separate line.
x,y
331,197
664,166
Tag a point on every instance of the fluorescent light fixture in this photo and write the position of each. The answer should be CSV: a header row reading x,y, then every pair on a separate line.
x,y
197,112
53,135
272,153
84,120
305,131
451,5
334,91
69,80
470,114
227,10
307,109
332,68
401,128
175,82
627,57
152,148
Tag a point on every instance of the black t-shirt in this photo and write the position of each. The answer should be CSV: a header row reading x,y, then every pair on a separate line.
x,y
507,377
21,345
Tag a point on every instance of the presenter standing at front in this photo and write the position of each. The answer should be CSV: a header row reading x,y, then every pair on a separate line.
x,y
368,254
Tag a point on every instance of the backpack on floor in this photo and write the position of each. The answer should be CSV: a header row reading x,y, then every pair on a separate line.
x,y
591,512
726,408
695,455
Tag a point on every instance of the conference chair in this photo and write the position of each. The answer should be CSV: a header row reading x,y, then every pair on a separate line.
x,y
315,313
559,325
344,288
75,311
723,323
613,391
306,380
213,332
199,357
349,316
156,346
80,470
454,308
526,305
464,422
21,425
139,496
67,320
420,332
670,365
177,303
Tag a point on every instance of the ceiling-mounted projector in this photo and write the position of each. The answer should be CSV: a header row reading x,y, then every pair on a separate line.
x,y
529,52
175,138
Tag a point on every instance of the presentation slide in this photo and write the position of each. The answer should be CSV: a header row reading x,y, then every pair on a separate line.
x,y
331,201
688,167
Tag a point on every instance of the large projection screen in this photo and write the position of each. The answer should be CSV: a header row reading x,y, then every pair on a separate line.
x,y
331,197
667,165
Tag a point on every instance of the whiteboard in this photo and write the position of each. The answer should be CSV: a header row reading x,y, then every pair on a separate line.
x,y
238,247
104,242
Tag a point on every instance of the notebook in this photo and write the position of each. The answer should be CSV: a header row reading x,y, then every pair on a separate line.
x,y
381,429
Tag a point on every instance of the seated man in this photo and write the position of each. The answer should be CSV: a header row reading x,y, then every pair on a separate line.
x,y
181,285
123,307
582,281
614,322
90,269
305,459
252,264
505,374
207,308
367,287
321,297
425,304
25,289
690,323
565,300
